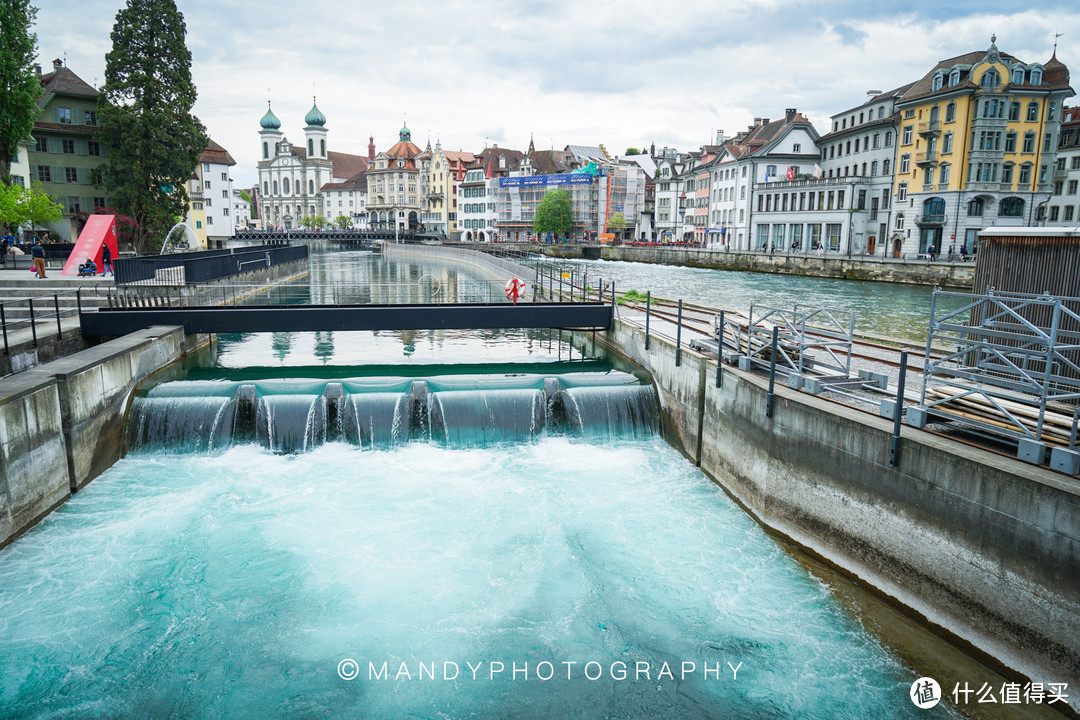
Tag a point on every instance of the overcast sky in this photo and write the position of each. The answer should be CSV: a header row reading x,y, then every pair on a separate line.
x,y
624,73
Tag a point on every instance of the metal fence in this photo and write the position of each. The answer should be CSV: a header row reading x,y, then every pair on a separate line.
x,y
200,267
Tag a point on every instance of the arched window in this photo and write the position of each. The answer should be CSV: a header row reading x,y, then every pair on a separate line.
x,y
954,78
275,187
938,79
873,168
1036,76
322,148
1051,112
311,187
1033,111
934,113
934,207
943,176
1014,110
950,112
900,221
310,146
975,207
885,166
888,139
990,79
266,188
1011,207
285,185
266,150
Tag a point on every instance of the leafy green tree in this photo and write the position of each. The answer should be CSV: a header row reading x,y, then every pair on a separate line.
x,y
554,214
616,223
145,112
342,221
22,206
320,222
633,151
19,84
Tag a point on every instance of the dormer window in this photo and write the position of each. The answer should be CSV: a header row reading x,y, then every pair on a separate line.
x,y
1018,76
400,163
938,79
990,80
1036,76
954,78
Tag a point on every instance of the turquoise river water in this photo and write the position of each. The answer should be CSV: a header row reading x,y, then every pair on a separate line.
x,y
498,550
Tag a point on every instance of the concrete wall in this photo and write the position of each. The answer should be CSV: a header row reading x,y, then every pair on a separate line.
x,y
61,424
980,544
951,275
494,267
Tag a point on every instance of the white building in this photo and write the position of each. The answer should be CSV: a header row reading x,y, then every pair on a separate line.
x,y
241,211
347,199
217,193
291,177
669,189
1064,205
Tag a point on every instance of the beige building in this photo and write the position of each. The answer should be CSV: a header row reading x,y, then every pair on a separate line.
x,y
440,172
393,187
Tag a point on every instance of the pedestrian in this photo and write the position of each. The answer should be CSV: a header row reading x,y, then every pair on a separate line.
x,y
106,260
38,253
930,253
963,253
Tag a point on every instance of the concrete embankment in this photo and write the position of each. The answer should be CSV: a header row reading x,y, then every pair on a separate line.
x,y
481,262
980,544
957,275
62,423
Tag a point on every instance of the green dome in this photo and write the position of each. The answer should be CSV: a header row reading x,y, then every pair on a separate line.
x,y
269,120
315,116
404,134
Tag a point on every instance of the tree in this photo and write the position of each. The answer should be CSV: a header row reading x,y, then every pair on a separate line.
x,y
19,83
145,112
616,223
633,151
554,214
33,207
342,221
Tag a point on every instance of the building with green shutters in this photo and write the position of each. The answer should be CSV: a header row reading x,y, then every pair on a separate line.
x,y
65,153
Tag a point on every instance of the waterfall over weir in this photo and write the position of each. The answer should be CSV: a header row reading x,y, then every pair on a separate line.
x,y
294,416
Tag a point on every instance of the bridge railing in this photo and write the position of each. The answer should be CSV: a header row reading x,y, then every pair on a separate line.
x,y
200,267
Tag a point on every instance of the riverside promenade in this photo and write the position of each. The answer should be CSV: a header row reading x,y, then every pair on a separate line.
x,y
954,274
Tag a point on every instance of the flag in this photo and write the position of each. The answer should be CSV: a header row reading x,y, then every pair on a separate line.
x,y
790,173
817,170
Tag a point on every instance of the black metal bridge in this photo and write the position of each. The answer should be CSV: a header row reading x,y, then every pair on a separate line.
x,y
306,318
349,238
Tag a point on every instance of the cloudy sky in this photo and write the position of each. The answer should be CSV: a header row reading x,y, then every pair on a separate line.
x,y
625,73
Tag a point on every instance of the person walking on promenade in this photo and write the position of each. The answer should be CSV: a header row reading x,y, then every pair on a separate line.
x,y
106,260
38,253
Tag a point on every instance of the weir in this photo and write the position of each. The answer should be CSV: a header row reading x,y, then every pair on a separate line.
x,y
295,416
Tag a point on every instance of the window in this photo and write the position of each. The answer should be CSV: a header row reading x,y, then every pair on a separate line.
x,y
1018,76
311,187
1072,187
284,185
1036,76
901,192
990,79
900,221
832,234
798,148
886,165
1029,142
908,114
71,175
42,145
954,78
93,148
1054,213
943,176
885,199
91,117
225,194
275,187
905,164
1068,213
67,146
208,202
1014,110
72,205
1010,141
206,185
310,146
322,148
266,150
770,171
1025,174
862,200
266,188
856,145
1007,173
908,129
950,112
873,168
1011,207
888,139
209,219
63,115
975,207
1033,111
946,144
938,80
1048,140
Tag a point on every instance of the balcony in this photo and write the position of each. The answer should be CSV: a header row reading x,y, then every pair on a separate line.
x,y
930,129
931,219
927,158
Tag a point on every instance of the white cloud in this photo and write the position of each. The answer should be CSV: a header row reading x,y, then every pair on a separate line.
x,y
623,73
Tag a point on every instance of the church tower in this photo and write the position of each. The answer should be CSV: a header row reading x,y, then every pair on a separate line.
x,y
315,132
269,135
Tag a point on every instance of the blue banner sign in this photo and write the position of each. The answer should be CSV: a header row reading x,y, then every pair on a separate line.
x,y
561,179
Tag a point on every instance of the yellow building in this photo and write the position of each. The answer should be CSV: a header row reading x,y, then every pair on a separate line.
x,y
440,172
978,135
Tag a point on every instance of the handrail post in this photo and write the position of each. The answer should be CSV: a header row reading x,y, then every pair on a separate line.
x,y
894,449
56,306
720,353
3,324
33,325
648,312
678,337
772,375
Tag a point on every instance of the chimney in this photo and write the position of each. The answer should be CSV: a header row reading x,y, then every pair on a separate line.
x,y
719,137
57,64
789,114
757,121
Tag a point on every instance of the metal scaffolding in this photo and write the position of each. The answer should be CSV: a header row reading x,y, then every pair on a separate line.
x,y
803,329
